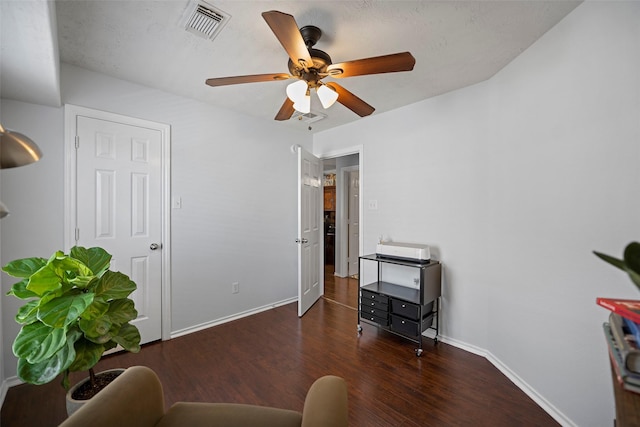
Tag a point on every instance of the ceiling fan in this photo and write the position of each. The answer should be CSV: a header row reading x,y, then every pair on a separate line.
x,y
310,66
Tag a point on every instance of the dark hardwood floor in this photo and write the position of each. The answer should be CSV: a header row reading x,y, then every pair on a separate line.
x,y
271,358
340,290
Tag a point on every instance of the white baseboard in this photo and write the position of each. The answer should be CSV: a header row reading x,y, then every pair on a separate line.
x,y
531,392
6,385
3,392
206,325
547,406
512,376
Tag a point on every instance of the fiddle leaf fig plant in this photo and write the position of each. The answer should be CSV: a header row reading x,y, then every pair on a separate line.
x,y
630,262
76,310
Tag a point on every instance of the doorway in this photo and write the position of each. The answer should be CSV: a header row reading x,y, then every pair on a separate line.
x,y
116,197
341,186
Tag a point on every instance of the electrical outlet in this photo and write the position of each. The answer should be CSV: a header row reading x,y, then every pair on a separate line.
x,y
235,287
177,202
373,205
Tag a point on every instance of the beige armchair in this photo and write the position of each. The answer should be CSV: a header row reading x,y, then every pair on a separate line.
x,y
136,399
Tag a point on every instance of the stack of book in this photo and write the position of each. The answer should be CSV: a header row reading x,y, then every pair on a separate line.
x,y
623,340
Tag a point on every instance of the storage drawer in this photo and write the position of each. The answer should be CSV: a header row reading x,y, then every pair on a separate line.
x,y
374,304
383,321
405,309
405,326
373,311
372,296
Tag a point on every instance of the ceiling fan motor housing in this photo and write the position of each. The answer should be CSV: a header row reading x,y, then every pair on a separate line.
x,y
321,60
315,73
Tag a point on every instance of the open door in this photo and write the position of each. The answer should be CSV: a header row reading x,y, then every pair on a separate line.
x,y
310,271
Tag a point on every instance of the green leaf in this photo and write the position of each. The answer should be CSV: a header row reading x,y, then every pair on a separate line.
x,y
129,338
97,259
24,267
65,264
122,311
37,342
61,311
45,280
102,329
48,369
88,354
19,290
82,282
97,330
114,285
65,380
98,308
28,313
611,260
632,261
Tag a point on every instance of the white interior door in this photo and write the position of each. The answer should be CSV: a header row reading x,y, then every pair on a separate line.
x,y
310,274
353,222
119,207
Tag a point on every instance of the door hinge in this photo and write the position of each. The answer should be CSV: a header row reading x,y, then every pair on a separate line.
x,y
77,234
77,142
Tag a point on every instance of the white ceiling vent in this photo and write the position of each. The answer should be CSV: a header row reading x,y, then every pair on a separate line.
x,y
204,20
308,117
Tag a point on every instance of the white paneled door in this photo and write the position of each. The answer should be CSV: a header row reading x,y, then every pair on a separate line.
x,y
353,222
309,227
119,207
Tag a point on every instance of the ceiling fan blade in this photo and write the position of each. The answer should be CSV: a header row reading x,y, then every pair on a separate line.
x,y
286,111
285,28
351,101
376,65
224,81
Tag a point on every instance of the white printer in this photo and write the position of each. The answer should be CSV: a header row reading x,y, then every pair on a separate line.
x,y
410,251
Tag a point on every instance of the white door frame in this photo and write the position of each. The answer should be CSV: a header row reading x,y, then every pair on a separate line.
x,y
71,112
359,150
346,191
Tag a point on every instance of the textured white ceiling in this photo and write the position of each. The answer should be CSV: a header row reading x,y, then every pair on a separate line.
x,y
455,44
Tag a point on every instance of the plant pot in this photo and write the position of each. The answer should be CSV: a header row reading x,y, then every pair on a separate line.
x,y
75,404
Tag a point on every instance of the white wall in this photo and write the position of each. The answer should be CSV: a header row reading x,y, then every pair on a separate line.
x,y
33,194
236,177
514,182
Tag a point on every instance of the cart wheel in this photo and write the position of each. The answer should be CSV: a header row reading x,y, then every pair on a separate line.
x,y
418,352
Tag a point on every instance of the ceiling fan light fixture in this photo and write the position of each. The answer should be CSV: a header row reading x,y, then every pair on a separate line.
x,y
296,91
17,149
327,95
303,105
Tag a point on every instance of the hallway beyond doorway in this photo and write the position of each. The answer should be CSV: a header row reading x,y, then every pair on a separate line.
x,y
341,290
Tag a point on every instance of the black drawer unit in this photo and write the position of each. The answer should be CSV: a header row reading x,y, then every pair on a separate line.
x,y
371,297
410,328
402,310
374,307
405,309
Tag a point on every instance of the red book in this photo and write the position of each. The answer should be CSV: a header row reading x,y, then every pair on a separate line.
x,y
628,308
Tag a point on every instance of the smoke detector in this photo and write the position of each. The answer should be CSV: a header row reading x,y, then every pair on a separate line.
x,y
309,117
204,20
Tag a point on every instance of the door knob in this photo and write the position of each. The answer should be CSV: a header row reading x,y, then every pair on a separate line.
x,y
302,241
155,246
